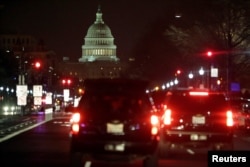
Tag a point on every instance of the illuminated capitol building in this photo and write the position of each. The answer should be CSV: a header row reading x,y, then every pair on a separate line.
x,y
99,59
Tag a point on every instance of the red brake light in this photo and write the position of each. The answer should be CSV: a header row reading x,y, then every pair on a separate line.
x,y
75,123
155,124
198,93
75,118
167,117
230,121
75,128
154,131
154,120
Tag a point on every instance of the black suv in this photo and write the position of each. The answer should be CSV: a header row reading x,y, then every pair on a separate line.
x,y
196,118
114,119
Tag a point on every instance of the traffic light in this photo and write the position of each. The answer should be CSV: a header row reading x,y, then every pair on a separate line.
x,y
178,72
66,81
209,53
37,64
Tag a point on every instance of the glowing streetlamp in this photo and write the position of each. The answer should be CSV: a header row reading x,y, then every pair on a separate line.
x,y
201,71
190,75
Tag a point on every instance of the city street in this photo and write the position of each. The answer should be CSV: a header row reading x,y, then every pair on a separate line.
x,y
148,79
47,144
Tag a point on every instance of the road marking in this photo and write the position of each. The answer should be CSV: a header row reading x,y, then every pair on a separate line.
x,y
190,151
21,131
87,164
24,130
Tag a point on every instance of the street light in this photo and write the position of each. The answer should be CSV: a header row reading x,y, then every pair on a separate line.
x,y
201,71
190,78
191,75
209,54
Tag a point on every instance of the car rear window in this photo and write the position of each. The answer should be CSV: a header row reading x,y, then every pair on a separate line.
x,y
192,103
115,102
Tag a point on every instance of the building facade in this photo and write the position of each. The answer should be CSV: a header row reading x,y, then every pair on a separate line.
x,y
98,59
99,42
16,42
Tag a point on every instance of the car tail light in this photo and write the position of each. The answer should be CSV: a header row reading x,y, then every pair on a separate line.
x,y
230,121
75,118
167,117
155,124
154,130
154,120
75,123
75,128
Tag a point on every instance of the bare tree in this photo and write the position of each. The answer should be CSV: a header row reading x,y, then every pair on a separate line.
x,y
224,27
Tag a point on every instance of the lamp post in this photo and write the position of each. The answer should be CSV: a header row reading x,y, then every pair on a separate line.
x,y
209,54
202,72
190,78
21,88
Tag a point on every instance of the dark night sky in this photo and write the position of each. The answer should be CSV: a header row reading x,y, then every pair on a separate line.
x,y
63,24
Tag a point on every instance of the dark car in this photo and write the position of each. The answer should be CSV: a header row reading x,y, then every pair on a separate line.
x,y
115,119
196,119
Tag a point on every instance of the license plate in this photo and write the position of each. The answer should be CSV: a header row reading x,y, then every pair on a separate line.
x,y
198,120
115,128
115,147
195,137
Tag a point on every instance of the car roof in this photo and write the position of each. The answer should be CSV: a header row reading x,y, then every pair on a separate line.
x,y
116,84
186,90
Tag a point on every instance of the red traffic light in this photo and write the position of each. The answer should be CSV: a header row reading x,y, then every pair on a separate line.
x,y
66,81
37,64
178,72
209,53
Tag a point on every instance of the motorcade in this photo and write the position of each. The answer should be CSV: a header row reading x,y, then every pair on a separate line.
x,y
115,119
196,118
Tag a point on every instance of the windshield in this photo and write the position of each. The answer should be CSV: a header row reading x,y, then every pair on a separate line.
x,y
126,103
